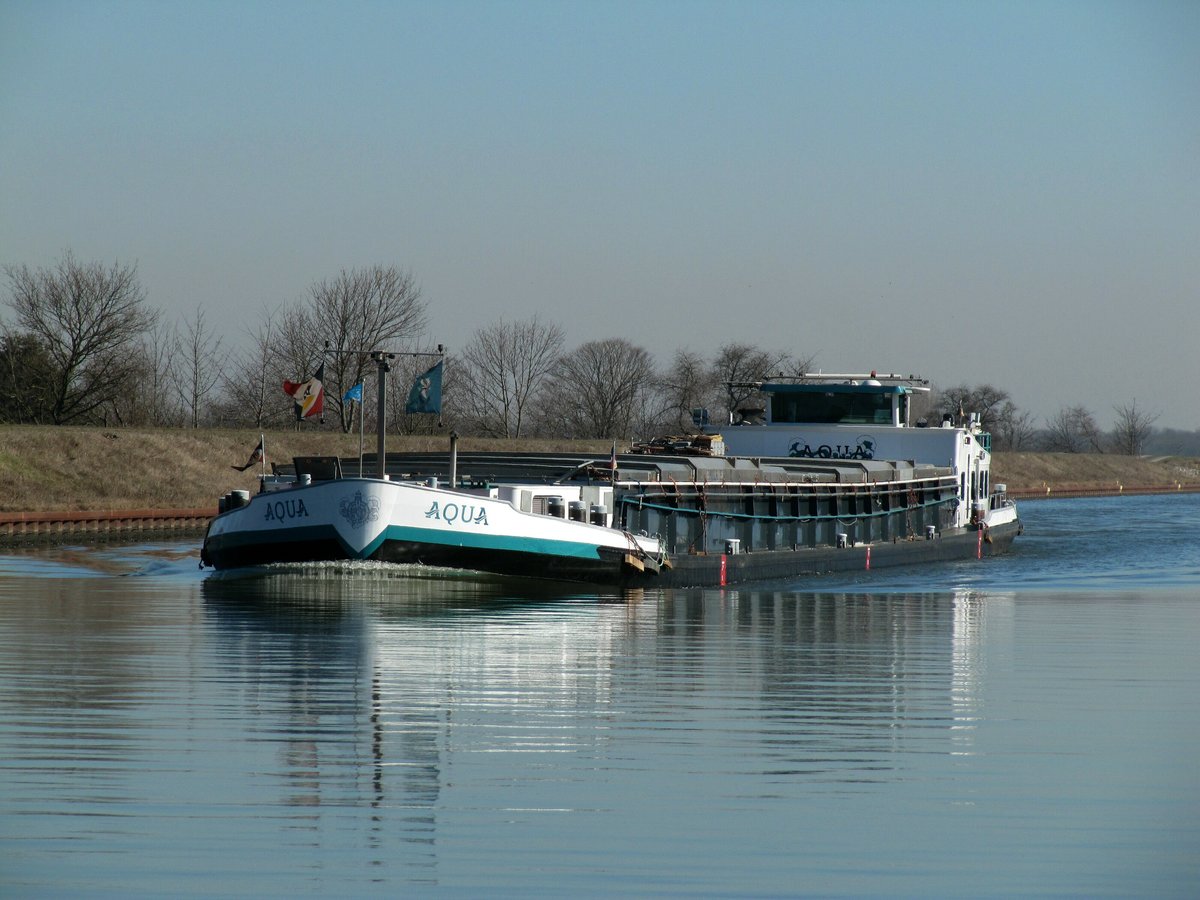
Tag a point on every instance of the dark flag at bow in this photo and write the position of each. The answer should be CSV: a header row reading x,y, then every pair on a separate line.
x,y
256,456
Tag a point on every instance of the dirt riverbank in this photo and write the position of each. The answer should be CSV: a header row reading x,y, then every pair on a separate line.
x,y
45,469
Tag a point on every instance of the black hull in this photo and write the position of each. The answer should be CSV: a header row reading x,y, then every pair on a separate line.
x,y
713,570
321,545
507,563
716,570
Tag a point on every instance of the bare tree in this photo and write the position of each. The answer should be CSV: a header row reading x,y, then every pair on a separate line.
x,y
687,384
200,362
295,347
1132,429
984,399
90,320
737,367
26,373
797,366
155,396
1073,430
653,415
598,389
378,308
505,366
250,386
1013,428
150,398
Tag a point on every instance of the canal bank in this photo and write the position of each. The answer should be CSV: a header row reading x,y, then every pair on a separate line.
x,y
68,483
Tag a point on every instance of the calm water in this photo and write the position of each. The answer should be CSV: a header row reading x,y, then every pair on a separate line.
x,y
1027,725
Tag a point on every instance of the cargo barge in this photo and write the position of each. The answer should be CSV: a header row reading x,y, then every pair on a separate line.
x,y
828,474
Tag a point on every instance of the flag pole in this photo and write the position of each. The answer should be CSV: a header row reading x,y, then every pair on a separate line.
x,y
262,442
361,421
382,359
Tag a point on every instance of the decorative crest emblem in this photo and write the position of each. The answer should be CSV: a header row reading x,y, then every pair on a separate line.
x,y
358,511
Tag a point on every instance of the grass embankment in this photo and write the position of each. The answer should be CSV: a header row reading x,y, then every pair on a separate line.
x,y
47,469
1063,474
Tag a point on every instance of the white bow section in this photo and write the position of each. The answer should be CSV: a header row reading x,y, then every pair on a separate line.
x,y
360,511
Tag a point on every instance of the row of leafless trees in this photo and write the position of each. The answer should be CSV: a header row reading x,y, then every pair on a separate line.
x,y
1072,430
84,347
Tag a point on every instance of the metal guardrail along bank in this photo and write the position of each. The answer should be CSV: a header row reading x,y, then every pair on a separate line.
x,y
1093,489
104,525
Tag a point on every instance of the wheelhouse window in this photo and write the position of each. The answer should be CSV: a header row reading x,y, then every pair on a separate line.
x,y
832,407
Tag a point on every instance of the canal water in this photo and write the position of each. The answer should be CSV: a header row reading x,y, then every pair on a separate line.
x,y
1026,725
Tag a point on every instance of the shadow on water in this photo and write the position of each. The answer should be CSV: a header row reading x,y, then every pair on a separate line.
x,y
330,589
167,559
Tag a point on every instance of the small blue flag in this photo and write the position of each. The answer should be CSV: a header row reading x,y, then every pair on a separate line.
x,y
425,396
355,393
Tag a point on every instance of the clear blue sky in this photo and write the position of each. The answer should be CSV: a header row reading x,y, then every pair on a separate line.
x,y
1004,192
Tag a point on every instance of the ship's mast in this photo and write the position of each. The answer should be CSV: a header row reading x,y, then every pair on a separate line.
x,y
382,360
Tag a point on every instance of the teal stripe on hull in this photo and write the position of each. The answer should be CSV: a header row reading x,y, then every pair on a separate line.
x,y
476,541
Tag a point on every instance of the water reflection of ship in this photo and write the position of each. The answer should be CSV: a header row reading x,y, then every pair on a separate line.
x,y
828,688
308,654
977,619
844,681
364,690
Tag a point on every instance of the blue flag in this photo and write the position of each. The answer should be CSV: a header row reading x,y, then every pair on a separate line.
x,y
355,393
425,395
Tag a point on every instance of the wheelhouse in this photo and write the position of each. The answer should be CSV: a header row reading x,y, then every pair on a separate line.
x,y
837,404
